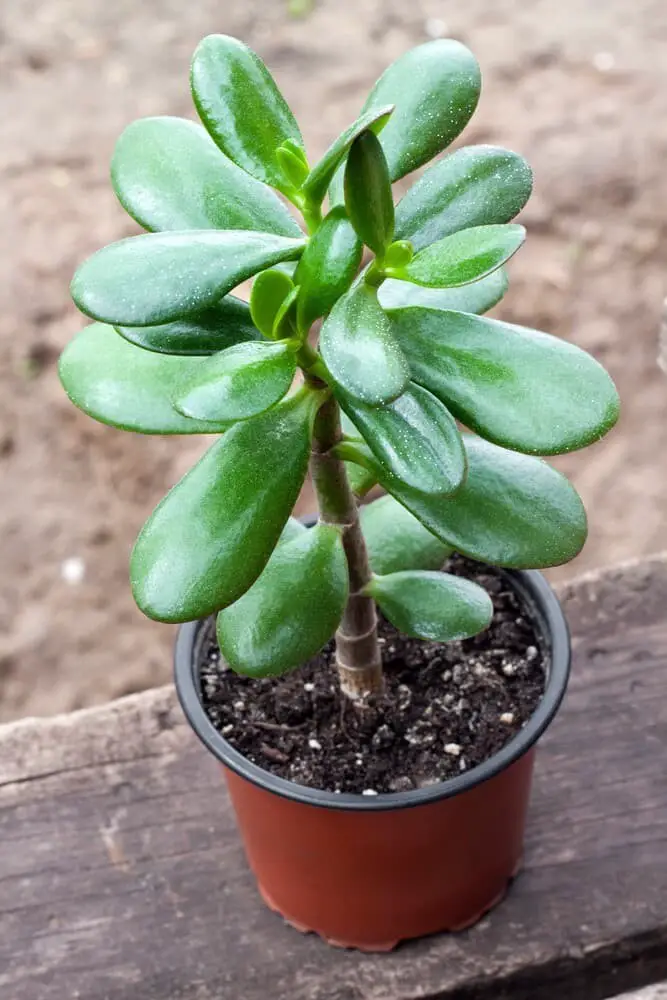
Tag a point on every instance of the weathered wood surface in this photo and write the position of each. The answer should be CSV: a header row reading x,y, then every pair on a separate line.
x,y
121,876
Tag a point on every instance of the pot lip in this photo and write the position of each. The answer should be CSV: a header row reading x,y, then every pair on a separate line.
x,y
544,606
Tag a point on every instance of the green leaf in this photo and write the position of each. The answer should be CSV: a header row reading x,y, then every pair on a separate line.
x,y
513,510
475,186
477,297
269,291
517,387
433,606
414,437
361,480
242,108
238,383
435,88
293,529
169,175
293,165
368,197
396,540
462,257
226,323
284,325
292,610
359,349
160,277
119,384
317,182
327,267
209,539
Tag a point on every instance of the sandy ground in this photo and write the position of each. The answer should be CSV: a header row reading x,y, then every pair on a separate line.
x,y
578,88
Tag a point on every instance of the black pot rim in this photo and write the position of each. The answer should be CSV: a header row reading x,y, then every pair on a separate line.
x,y
545,609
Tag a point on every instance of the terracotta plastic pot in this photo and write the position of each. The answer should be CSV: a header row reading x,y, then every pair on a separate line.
x,y
368,872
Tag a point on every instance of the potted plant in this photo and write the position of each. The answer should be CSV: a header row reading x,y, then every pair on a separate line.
x,y
375,804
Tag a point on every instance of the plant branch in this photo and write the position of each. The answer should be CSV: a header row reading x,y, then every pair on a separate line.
x,y
357,648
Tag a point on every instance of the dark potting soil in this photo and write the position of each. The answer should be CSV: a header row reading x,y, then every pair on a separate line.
x,y
447,706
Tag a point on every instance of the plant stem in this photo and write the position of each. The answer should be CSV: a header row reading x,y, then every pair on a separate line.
x,y
358,656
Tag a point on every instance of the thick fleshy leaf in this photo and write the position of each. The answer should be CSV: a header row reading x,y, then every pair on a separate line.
x,y
359,349
226,323
269,291
327,267
160,277
169,175
513,510
415,438
475,186
396,540
368,198
293,529
209,539
477,297
435,88
122,385
434,606
242,108
292,610
316,184
463,257
519,388
238,383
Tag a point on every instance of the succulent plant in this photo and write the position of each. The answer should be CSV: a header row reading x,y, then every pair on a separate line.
x,y
361,354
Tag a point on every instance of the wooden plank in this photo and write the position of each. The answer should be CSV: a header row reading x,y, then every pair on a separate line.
x,y
121,875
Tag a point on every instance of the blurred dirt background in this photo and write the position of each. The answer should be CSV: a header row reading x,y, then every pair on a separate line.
x,y
577,86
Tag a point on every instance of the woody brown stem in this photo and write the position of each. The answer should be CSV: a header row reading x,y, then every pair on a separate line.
x,y
357,648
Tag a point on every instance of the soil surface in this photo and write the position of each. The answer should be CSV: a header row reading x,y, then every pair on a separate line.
x,y
446,708
580,89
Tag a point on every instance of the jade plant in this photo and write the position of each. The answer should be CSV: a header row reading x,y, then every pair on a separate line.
x,y
362,354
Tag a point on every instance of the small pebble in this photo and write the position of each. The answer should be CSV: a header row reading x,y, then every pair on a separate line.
x,y
509,669
369,791
239,705
227,729
604,62
447,675
531,652
308,686
435,27
507,718
453,748
314,744
462,764
73,570
359,762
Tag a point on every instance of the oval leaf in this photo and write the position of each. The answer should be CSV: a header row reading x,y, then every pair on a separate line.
x,y
269,291
415,438
435,606
361,480
475,186
316,184
477,297
396,540
435,88
462,257
237,383
519,388
160,277
118,384
513,510
359,349
209,539
223,325
292,610
368,198
169,175
327,267
242,108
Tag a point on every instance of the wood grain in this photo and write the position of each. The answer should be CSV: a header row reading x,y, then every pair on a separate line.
x,y
121,876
